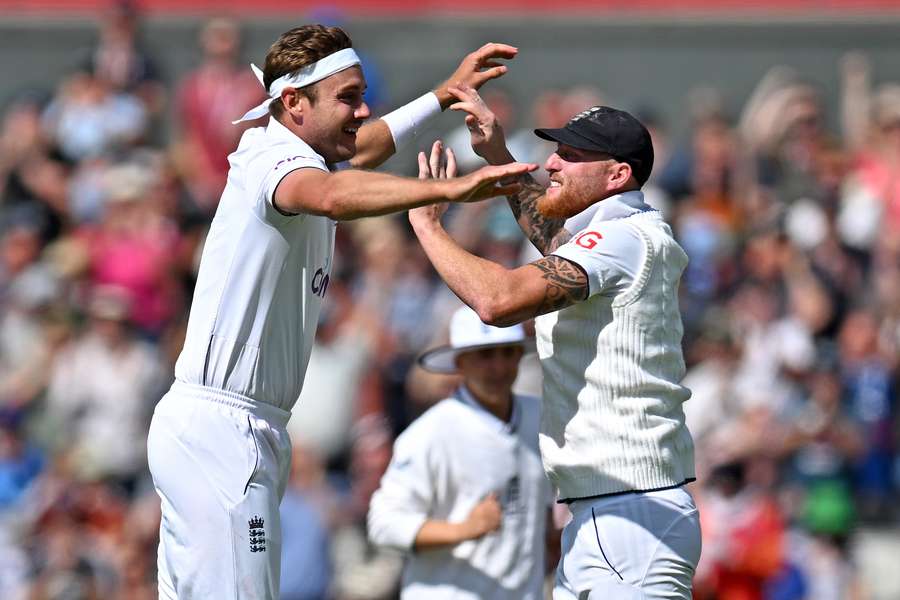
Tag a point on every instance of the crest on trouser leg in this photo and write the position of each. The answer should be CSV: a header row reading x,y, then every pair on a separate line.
x,y
257,534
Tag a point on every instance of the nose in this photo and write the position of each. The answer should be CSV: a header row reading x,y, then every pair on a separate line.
x,y
552,163
363,111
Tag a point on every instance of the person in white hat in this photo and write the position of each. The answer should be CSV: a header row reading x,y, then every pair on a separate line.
x,y
465,493
218,449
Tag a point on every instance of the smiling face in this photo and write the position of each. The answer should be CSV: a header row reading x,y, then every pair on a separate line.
x,y
579,178
329,121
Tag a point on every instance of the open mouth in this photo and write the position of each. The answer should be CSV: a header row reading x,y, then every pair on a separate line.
x,y
350,130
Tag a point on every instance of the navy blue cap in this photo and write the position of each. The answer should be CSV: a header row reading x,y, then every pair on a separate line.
x,y
609,130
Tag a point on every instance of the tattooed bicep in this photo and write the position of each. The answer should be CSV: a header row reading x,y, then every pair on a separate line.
x,y
564,283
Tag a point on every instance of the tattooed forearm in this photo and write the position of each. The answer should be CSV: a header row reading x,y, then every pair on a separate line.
x,y
546,234
566,284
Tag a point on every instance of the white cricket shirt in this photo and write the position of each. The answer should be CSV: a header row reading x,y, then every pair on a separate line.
x,y
612,364
262,278
447,461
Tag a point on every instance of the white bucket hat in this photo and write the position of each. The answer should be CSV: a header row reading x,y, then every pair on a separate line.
x,y
468,333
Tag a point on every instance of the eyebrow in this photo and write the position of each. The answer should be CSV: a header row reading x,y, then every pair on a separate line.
x,y
351,87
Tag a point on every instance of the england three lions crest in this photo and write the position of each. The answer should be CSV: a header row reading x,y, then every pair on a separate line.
x,y
257,534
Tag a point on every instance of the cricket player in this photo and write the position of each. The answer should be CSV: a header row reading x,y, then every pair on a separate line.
x,y
218,450
613,438
465,492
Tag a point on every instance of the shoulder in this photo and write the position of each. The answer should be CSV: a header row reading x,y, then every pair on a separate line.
x,y
435,423
605,244
275,150
426,438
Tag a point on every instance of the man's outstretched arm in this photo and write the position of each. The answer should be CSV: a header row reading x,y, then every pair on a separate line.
x,y
353,193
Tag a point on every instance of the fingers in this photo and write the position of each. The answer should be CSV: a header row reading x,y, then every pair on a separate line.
x,y
494,191
439,164
435,160
501,171
469,107
509,189
495,50
451,163
424,171
482,77
466,94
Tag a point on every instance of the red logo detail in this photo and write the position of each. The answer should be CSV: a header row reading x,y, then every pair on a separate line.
x,y
588,239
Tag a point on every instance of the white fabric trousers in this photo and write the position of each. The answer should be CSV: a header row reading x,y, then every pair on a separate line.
x,y
630,547
220,464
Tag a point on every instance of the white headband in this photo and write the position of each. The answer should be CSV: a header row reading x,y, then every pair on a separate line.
x,y
317,71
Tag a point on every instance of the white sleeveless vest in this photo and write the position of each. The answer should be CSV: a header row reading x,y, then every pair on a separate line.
x,y
612,411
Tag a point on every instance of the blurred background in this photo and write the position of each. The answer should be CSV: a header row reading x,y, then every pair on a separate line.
x,y
777,132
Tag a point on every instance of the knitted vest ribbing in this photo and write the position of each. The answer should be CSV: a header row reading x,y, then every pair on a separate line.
x,y
612,415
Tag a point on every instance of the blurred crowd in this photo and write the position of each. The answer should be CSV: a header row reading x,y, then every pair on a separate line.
x,y
791,306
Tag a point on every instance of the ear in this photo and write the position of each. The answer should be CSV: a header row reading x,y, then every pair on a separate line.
x,y
620,175
294,102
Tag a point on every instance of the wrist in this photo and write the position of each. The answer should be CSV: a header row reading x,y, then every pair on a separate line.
x,y
423,223
465,531
498,156
405,122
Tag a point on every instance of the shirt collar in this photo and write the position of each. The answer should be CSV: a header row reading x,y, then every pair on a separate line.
x,y
465,396
621,206
615,207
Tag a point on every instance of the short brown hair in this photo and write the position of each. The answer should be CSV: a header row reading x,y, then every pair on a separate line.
x,y
297,48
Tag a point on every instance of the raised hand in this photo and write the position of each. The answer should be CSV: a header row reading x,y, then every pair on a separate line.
x,y
478,185
488,140
476,69
485,517
438,165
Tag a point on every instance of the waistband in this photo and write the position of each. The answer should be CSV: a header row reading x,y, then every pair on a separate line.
x,y
626,492
268,412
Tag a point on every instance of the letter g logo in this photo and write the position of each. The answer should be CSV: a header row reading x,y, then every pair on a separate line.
x,y
588,239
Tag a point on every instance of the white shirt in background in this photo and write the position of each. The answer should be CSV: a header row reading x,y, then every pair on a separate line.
x,y
447,461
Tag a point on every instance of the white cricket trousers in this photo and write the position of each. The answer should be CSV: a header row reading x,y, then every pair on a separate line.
x,y
638,546
220,463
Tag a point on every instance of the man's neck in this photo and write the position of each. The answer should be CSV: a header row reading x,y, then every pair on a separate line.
x,y
499,405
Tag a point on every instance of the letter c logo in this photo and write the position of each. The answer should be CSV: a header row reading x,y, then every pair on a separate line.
x,y
319,283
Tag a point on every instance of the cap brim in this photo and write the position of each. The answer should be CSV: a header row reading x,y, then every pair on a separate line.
x,y
443,358
569,138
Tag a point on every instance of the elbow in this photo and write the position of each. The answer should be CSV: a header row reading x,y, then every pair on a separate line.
x,y
331,207
375,527
496,312
335,206
376,533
